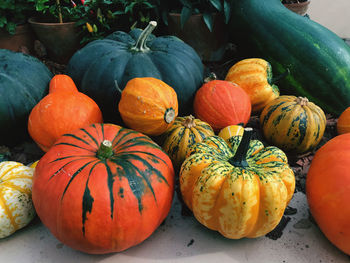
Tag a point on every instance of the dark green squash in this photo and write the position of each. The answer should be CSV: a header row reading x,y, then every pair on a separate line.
x,y
318,60
103,67
23,83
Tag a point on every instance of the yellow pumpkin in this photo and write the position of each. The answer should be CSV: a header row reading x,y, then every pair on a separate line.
x,y
185,132
239,189
148,105
16,207
254,75
231,131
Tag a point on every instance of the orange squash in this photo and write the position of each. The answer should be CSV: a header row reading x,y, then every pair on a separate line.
x,y
63,110
222,103
254,75
148,105
343,124
328,190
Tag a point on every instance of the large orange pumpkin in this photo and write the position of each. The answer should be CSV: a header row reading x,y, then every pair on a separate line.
x,y
343,123
222,103
103,188
63,110
148,105
328,190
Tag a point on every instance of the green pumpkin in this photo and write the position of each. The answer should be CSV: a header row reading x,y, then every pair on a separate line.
x,y
103,67
23,83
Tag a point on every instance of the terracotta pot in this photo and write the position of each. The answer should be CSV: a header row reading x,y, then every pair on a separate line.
x,y
60,39
210,46
23,37
299,8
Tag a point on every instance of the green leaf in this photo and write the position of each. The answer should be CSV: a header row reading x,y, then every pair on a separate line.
x,y
208,20
217,4
185,15
227,11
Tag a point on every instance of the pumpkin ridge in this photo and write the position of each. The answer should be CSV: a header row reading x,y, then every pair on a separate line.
x,y
73,177
10,168
124,133
91,137
77,138
87,199
74,145
8,211
146,153
140,142
71,156
16,187
110,182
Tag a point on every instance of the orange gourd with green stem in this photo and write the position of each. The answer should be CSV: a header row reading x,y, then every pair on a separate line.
x,y
148,105
63,110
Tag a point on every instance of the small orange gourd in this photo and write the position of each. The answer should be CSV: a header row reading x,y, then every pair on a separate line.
x,y
63,110
148,105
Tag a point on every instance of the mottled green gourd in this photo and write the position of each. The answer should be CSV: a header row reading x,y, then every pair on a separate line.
x,y
318,60
103,67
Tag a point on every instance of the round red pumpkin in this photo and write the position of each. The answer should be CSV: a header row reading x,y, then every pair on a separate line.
x,y
328,190
222,103
103,188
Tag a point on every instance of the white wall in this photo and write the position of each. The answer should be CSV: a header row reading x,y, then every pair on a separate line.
x,y
333,14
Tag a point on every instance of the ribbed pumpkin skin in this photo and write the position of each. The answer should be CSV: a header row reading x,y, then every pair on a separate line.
x,y
291,126
103,205
318,59
222,103
343,123
23,83
148,105
16,207
62,111
238,202
185,132
328,190
101,64
254,75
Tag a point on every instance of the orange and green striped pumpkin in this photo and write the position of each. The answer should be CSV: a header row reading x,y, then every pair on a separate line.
x,y
254,75
185,132
239,189
293,124
103,188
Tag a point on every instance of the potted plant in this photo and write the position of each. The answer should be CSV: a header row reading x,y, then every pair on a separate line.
x,y
15,33
63,26
200,23
298,6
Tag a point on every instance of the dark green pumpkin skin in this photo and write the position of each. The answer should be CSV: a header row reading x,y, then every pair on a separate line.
x,y
102,65
23,83
318,60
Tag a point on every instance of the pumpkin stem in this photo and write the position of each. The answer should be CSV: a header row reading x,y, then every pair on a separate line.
x,y
239,159
302,101
189,122
140,45
279,77
105,151
212,76
169,115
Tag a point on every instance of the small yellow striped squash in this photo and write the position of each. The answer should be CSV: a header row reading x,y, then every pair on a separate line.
x,y
16,207
293,124
239,189
185,132
254,75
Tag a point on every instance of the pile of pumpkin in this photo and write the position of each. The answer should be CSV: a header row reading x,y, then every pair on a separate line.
x,y
98,175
